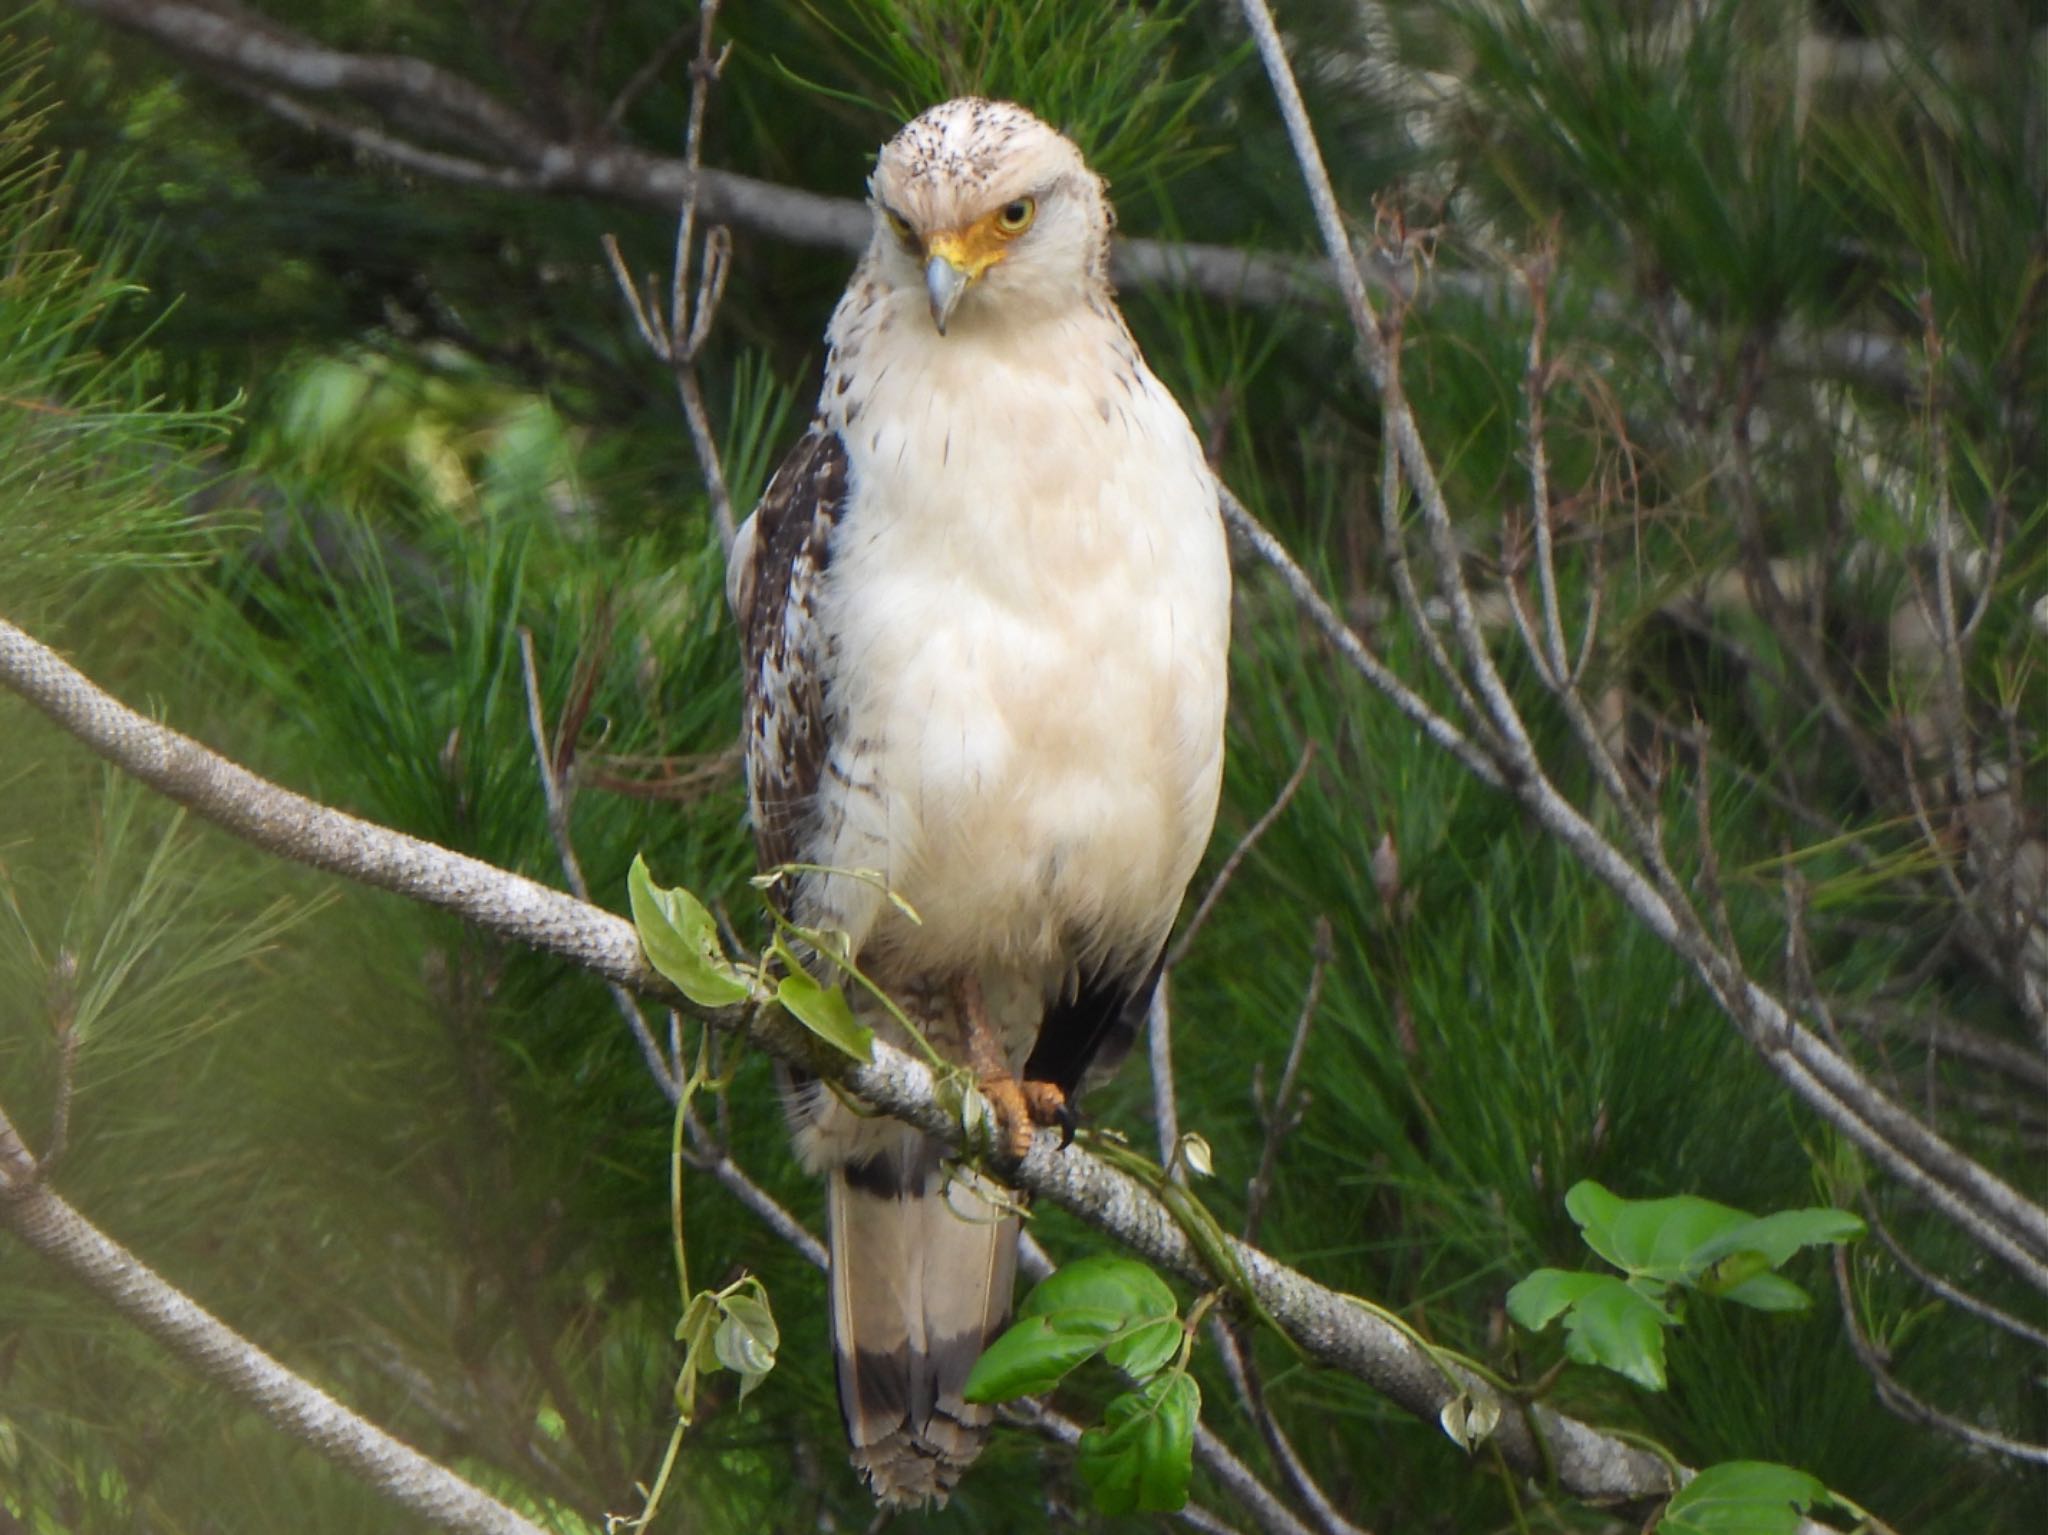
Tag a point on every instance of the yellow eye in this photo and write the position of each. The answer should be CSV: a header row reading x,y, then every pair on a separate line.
x,y
899,226
1014,218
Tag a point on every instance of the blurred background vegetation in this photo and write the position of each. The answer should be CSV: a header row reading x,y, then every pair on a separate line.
x,y
294,444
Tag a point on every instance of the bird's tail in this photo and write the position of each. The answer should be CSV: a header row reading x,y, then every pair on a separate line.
x,y
923,1264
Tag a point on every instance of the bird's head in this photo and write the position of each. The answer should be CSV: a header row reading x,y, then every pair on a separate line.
x,y
981,195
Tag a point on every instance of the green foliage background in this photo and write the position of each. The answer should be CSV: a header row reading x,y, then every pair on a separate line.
x,y
292,447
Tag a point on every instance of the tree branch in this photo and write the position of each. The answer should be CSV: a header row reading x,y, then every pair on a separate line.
x,y
292,826
677,331
1327,1325
1955,1295
1906,1404
1242,1371
53,1228
501,149
1996,1215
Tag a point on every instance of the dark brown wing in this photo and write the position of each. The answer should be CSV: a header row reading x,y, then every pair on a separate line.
x,y
781,562
1092,1030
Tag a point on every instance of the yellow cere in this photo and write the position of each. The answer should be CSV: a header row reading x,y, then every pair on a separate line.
x,y
984,242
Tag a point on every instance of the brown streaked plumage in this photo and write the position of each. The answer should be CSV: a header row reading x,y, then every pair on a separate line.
x,y
985,609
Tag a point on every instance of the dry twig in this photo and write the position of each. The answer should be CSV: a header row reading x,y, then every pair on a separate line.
x,y
664,1069
1916,1409
1281,1115
676,331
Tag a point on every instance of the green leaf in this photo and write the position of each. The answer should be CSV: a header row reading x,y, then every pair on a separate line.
x,y
1615,1326
1108,1305
1607,1321
1767,1292
825,1012
1145,1330
1742,1497
1138,1460
1126,1289
1732,1272
1649,1236
1144,1351
681,941
1036,1354
1684,1238
1537,1300
694,1330
1777,1237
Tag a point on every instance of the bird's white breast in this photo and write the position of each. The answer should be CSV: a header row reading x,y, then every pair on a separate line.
x,y
1027,609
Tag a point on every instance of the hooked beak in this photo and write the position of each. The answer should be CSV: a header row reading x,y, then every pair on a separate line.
x,y
943,284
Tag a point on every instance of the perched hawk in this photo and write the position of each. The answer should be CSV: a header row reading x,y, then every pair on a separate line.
x,y
985,605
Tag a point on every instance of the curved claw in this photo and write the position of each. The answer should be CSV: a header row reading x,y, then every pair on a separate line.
x,y
1049,1106
1068,1118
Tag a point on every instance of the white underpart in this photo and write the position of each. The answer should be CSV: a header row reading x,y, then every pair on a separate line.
x,y
1030,601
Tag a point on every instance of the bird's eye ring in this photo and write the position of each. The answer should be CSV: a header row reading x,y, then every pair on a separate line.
x,y
899,226
1014,218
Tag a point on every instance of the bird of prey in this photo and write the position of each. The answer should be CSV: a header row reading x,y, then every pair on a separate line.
x,y
985,607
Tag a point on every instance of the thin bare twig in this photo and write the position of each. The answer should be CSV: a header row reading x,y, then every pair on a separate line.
x,y
713,1158
1356,652
686,338
1246,1489
1280,1114
707,1153
676,331
1243,1373
557,801
1159,1016
1913,1408
1251,1494
1159,1060
63,1006
1394,544
2024,1067
1954,713
1535,390
641,78
1238,854
1955,1295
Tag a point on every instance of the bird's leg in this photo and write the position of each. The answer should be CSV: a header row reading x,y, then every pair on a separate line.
x,y
1015,1123
1021,1107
